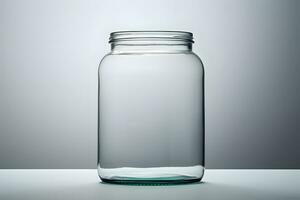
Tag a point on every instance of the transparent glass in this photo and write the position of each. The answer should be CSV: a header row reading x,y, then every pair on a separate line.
x,y
151,109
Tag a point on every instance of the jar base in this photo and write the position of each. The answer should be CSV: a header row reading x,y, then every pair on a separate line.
x,y
152,175
150,182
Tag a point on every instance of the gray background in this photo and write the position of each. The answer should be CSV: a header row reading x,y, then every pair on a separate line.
x,y
50,50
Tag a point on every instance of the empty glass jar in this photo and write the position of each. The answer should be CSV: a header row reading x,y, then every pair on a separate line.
x,y
151,109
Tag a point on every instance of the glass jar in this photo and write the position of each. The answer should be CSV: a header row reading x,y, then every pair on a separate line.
x,y
151,109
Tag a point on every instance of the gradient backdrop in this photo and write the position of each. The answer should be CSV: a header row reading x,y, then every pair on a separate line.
x,y
50,51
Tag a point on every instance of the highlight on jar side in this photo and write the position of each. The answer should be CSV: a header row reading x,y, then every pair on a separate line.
x,y
151,109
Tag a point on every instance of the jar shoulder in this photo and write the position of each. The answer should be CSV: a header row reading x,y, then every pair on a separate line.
x,y
197,59
176,59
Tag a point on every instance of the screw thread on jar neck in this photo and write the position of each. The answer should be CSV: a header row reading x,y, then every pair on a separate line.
x,y
151,42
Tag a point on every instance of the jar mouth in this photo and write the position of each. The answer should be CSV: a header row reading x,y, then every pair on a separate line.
x,y
155,36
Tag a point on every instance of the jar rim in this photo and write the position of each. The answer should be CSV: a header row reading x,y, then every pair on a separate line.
x,y
151,35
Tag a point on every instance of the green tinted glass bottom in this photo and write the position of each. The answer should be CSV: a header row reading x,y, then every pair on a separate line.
x,y
152,176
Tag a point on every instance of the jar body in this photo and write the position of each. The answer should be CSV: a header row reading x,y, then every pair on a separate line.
x,y
151,118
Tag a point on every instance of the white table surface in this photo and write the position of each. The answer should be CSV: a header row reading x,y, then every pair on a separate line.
x,y
85,184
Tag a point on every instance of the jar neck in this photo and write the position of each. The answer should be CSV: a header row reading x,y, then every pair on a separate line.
x,y
150,48
127,42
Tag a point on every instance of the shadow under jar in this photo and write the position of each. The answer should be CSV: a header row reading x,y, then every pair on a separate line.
x,y
151,109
